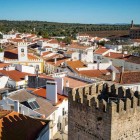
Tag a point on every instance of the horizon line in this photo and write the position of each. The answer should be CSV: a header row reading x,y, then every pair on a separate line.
x,y
63,22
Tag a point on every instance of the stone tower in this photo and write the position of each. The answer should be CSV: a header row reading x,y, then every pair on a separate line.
x,y
132,24
103,112
22,51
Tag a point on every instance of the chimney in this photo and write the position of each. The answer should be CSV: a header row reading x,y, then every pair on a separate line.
x,y
113,75
51,91
109,54
55,60
122,69
60,84
67,83
98,65
16,106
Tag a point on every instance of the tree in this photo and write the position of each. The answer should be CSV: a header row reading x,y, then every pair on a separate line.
x,y
67,40
1,36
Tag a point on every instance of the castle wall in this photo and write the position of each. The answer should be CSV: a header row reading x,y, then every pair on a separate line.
x,y
104,112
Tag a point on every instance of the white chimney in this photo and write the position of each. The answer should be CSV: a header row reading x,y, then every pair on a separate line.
x,y
26,78
16,106
122,69
51,91
60,84
55,60
67,83
109,54
98,65
113,75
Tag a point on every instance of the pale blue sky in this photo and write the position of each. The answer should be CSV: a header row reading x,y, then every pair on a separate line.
x,y
76,11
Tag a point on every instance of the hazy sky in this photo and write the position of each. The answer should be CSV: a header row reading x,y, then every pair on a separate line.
x,y
76,11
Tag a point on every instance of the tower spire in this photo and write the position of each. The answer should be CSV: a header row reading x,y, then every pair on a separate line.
x,y
132,24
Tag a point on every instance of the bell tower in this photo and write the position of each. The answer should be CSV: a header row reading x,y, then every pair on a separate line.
x,y
22,51
132,24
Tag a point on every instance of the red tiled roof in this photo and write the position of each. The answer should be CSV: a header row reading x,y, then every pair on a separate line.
x,y
15,126
129,77
16,40
31,36
58,61
133,59
94,73
53,41
74,82
136,40
2,65
42,93
98,38
14,74
101,50
45,53
117,55
47,47
78,46
75,64
13,54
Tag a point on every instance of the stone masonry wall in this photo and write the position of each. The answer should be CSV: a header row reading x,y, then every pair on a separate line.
x,y
103,112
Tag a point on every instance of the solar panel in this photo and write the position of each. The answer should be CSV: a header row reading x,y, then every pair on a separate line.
x,y
32,105
36,104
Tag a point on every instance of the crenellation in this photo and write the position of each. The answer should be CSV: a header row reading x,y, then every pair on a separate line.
x,y
120,106
127,104
105,111
103,105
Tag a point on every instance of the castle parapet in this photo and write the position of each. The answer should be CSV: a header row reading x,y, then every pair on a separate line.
x,y
107,98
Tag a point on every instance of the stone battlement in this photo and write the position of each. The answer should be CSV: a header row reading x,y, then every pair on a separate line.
x,y
107,98
22,44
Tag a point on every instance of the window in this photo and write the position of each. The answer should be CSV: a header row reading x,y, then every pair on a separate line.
x,y
63,112
22,50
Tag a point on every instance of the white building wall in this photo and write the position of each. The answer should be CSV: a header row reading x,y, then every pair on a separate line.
x,y
5,36
132,66
3,81
75,56
27,69
115,62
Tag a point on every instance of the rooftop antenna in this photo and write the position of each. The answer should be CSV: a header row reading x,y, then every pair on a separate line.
x,y
36,71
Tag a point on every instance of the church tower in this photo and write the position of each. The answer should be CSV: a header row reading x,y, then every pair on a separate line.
x,y
132,24
22,51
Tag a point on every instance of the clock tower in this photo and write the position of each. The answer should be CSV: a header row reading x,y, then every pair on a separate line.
x,y
22,51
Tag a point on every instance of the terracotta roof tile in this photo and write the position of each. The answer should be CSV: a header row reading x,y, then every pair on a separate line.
x,y
96,73
75,64
53,41
117,55
101,50
133,59
58,61
15,126
14,74
74,82
129,77
78,46
42,93
13,54
2,65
